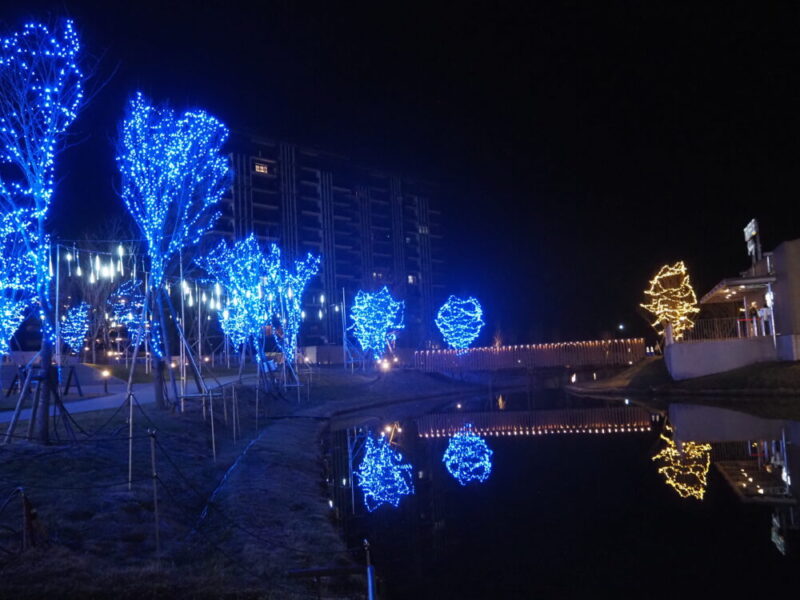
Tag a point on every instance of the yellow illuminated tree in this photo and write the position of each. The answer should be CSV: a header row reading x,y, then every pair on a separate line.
x,y
685,469
672,299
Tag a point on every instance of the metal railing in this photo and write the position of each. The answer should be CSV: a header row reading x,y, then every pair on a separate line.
x,y
728,328
598,353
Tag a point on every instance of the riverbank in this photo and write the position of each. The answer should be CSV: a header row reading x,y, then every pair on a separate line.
x,y
233,528
770,389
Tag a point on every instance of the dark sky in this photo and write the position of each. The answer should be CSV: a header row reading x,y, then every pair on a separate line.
x,y
580,146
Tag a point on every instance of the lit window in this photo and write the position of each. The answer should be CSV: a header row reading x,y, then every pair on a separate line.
x,y
423,229
262,168
411,279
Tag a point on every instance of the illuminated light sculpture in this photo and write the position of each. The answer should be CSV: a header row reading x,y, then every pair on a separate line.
x,y
17,276
468,457
375,316
383,476
685,469
672,300
127,306
173,174
74,326
460,321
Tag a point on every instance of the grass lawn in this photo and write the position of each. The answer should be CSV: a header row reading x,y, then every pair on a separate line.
x,y
94,535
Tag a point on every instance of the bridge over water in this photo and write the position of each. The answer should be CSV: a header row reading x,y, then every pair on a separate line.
x,y
597,353
603,420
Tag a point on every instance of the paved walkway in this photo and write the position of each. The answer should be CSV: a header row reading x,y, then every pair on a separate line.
x,y
144,392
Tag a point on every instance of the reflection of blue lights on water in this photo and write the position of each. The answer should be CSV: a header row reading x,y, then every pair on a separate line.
x,y
468,457
382,475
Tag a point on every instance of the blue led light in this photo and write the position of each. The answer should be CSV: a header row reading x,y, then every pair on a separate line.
x,y
383,476
376,315
41,91
468,457
17,275
127,306
173,174
460,321
261,291
75,326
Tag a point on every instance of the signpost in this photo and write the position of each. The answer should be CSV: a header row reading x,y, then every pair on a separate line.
x,y
753,240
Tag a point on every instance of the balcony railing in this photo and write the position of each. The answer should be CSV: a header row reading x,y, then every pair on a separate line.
x,y
730,328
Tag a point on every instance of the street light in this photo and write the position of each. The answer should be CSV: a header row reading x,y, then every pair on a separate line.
x,y
105,373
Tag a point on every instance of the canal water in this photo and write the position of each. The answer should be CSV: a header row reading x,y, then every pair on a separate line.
x,y
568,511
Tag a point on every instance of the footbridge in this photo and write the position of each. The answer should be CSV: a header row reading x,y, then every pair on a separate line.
x,y
585,354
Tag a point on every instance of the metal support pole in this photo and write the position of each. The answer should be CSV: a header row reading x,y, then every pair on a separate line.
x,y
152,433
370,574
211,416
130,439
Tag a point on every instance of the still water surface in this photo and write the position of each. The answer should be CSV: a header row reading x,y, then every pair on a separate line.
x,y
576,514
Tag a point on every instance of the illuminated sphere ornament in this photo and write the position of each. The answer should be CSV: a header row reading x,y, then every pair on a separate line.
x,y
685,469
75,326
672,300
383,476
375,316
468,457
460,321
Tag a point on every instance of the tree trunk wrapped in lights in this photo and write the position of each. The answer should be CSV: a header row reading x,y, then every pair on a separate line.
x,y
41,91
672,300
173,175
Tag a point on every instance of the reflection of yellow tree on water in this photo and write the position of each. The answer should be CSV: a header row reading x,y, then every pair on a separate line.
x,y
684,468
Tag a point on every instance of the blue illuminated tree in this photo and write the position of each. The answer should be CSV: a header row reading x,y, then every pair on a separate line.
x,y
75,325
285,289
468,457
127,307
17,277
241,269
41,92
382,475
376,315
261,291
460,321
173,174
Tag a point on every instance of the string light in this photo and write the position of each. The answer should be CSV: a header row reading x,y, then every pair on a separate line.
x,y
41,91
75,326
460,321
17,280
261,291
127,306
383,476
672,299
375,315
468,457
173,173
684,469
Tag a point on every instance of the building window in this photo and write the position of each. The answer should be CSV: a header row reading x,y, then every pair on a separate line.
x,y
412,279
423,229
263,168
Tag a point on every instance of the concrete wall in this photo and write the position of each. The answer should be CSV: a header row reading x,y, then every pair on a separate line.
x,y
786,288
685,360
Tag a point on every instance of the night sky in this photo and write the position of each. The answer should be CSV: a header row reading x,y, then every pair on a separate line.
x,y
578,147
